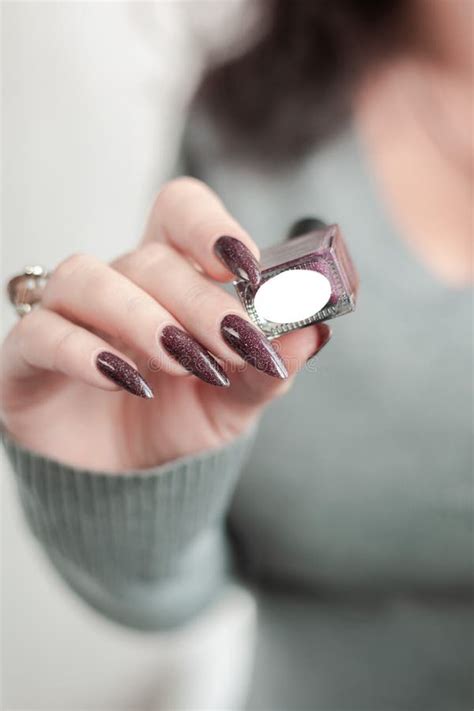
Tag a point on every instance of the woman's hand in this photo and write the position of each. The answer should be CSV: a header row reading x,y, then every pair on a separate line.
x,y
141,325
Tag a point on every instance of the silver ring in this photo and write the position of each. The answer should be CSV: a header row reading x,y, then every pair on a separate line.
x,y
25,290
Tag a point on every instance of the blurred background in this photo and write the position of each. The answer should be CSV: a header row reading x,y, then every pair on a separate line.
x,y
72,182
95,98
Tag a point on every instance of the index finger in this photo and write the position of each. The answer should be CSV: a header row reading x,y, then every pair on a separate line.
x,y
190,216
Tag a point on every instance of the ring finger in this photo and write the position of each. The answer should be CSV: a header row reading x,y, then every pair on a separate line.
x,y
98,297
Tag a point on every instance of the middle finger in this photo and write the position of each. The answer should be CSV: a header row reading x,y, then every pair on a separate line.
x,y
99,298
213,316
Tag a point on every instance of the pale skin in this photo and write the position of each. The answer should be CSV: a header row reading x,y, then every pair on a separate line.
x,y
54,399
416,116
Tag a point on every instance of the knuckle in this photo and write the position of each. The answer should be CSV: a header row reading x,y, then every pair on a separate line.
x,y
74,266
154,257
121,262
136,304
129,263
63,347
173,190
166,194
197,295
138,308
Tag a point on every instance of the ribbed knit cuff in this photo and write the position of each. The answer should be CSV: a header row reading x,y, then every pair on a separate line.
x,y
129,542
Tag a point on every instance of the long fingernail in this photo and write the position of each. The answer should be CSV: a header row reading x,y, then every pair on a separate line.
x,y
325,334
252,346
193,356
123,374
238,259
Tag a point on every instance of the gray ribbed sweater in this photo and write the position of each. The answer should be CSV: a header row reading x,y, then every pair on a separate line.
x,y
353,511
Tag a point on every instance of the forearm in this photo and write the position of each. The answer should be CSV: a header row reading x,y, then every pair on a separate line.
x,y
147,548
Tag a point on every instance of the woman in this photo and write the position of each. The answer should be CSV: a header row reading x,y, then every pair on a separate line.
x,y
350,510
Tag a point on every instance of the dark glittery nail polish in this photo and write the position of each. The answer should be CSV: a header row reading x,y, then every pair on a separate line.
x,y
193,356
325,334
122,373
252,346
238,259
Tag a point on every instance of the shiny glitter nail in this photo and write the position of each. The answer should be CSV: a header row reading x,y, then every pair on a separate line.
x,y
193,356
252,346
238,259
123,374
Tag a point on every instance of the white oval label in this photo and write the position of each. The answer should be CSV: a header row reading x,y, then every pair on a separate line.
x,y
293,295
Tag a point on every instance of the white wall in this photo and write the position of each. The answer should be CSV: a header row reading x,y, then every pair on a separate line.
x,y
94,100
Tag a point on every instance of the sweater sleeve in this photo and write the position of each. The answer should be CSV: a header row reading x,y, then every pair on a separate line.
x,y
146,548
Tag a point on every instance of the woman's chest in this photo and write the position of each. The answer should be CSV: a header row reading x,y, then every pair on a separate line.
x,y
361,474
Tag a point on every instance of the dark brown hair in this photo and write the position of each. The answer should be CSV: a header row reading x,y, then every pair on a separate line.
x,y
294,86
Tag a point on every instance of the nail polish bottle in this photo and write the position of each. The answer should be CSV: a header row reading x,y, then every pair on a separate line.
x,y
304,280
